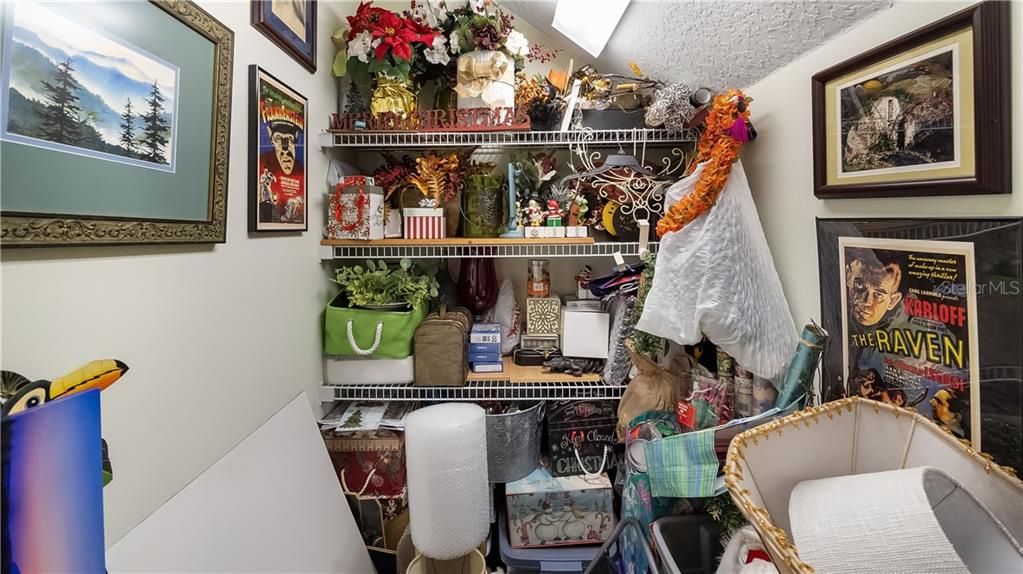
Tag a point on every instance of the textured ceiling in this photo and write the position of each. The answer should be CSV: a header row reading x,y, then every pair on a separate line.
x,y
719,44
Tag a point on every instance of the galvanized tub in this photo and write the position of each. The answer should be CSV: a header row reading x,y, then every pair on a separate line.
x,y
513,443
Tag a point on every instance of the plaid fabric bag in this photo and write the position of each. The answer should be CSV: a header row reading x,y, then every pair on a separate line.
x,y
683,466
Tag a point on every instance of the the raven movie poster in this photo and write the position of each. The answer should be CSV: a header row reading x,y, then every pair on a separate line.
x,y
909,326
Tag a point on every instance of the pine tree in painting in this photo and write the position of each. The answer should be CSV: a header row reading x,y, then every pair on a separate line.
x,y
154,128
128,130
59,117
353,421
354,102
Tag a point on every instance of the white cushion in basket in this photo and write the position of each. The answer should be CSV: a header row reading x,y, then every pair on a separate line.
x,y
898,521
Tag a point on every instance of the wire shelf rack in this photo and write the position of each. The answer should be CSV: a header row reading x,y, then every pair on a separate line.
x,y
501,140
474,391
368,250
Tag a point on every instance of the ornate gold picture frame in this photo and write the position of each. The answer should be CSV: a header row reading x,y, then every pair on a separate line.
x,y
123,141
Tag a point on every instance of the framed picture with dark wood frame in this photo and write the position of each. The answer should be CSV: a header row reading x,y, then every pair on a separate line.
x,y
277,155
115,123
291,24
925,114
925,314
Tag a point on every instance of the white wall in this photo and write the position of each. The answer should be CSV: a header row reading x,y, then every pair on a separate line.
x,y
217,338
779,163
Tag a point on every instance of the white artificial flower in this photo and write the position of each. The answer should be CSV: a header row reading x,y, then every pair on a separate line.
x,y
455,48
360,46
478,6
437,53
429,12
517,44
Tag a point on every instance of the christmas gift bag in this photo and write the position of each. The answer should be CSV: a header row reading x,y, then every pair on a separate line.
x,y
356,211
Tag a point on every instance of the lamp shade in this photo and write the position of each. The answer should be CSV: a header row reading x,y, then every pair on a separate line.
x,y
851,437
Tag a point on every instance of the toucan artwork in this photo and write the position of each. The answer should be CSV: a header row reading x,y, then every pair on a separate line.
x,y
19,394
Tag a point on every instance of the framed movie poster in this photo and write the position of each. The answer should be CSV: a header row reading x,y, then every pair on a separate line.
x,y
291,24
925,114
114,123
926,315
277,155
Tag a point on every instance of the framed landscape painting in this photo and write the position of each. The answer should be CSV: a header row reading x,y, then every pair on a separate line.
x,y
277,155
925,114
114,123
291,24
925,314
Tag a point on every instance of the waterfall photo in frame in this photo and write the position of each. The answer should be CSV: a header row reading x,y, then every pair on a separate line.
x,y
114,123
925,114
277,155
926,316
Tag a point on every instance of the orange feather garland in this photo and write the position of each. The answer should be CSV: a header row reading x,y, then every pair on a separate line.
x,y
719,147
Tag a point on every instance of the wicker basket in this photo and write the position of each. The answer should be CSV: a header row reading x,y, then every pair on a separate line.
x,y
845,437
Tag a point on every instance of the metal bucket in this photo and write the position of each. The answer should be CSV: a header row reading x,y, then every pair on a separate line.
x,y
513,443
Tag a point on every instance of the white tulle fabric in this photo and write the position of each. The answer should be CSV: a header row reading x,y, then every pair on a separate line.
x,y
716,277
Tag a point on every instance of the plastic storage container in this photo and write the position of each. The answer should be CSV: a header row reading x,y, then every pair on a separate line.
x,y
687,544
625,551
563,560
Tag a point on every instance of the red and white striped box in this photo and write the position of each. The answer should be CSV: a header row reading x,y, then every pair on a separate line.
x,y
424,223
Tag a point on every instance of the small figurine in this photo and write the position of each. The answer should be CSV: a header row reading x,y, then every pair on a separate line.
x,y
577,210
553,212
534,213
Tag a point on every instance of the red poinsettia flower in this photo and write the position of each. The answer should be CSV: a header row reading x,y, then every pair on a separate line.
x,y
366,16
394,36
422,32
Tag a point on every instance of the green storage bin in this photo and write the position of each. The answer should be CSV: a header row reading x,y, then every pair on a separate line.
x,y
369,332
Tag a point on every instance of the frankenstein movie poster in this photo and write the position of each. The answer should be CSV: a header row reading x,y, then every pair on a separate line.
x,y
280,173
909,327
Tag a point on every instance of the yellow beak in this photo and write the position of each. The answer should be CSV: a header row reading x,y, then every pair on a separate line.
x,y
98,374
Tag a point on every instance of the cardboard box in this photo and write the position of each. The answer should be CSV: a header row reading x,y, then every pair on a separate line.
x,y
544,510
424,223
392,224
584,334
485,348
485,333
576,231
539,232
543,316
484,358
497,367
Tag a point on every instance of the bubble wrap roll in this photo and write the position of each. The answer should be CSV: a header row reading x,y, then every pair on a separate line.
x,y
446,460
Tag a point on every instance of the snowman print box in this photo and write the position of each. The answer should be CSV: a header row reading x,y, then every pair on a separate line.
x,y
544,510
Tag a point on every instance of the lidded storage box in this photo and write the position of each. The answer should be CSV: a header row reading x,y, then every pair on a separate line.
x,y
440,348
545,510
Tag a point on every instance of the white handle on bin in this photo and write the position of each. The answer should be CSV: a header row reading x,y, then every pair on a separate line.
x,y
376,340
587,473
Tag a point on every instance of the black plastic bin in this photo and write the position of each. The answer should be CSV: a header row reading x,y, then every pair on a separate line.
x,y
609,553
687,544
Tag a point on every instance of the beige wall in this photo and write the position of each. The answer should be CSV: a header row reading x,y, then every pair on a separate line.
x,y
218,338
779,163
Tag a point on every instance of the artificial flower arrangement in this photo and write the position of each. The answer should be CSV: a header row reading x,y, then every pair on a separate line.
x,y
381,42
423,45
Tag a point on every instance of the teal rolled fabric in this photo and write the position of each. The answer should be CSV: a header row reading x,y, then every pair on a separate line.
x,y
800,374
